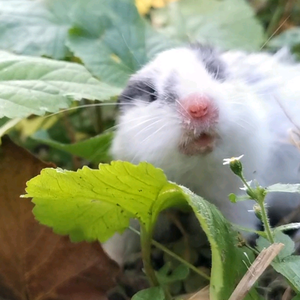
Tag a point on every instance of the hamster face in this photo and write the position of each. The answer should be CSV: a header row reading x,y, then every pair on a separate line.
x,y
186,106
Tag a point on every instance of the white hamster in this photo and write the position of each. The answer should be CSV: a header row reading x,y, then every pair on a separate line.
x,y
191,107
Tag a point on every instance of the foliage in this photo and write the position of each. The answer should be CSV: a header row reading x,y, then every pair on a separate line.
x,y
70,54
94,204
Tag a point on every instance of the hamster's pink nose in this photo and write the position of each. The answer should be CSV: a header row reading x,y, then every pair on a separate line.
x,y
198,110
197,106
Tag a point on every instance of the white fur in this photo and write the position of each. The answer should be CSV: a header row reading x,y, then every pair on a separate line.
x,y
250,123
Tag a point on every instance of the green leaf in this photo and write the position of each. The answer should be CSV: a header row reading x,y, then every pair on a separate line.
x,y
35,27
289,267
288,38
284,188
30,85
289,226
297,297
152,293
178,274
112,39
221,23
95,149
288,264
279,237
232,198
92,204
225,252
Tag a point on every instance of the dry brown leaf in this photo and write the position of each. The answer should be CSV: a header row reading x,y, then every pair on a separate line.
x,y
203,294
35,263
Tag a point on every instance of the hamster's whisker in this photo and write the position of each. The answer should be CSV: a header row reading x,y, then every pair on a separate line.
x,y
217,73
240,122
80,107
178,102
155,132
130,50
133,121
149,84
142,90
156,120
147,127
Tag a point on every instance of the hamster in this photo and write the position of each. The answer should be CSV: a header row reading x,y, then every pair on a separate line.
x,y
191,107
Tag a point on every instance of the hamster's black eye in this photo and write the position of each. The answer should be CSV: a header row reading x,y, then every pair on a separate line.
x,y
153,95
138,90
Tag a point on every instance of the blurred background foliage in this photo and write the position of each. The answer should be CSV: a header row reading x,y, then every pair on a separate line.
x,y
88,33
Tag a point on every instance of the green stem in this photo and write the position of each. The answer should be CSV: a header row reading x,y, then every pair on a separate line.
x,y
146,255
146,241
261,202
266,222
180,259
252,249
166,250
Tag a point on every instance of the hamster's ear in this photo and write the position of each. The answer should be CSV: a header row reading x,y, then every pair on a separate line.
x,y
210,56
137,90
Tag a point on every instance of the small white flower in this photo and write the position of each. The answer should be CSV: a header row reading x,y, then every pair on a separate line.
x,y
227,161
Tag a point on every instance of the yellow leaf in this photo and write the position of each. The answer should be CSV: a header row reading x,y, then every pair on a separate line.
x,y
144,6
29,126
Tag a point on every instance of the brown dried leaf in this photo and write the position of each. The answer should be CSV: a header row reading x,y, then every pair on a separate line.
x,y
203,294
35,263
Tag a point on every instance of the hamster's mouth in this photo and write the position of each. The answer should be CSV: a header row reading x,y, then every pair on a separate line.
x,y
202,144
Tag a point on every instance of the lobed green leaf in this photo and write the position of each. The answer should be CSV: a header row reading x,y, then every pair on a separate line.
x,y
220,23
35,27
113,40
92,204
31,85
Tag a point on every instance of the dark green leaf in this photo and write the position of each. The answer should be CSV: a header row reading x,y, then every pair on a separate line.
x,y
32,85
229,24
279,237
225,252
95,149
288,38
178,274
112,39
35,27
289,267
154,293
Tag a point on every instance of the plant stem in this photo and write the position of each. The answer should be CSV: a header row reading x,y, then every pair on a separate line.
x,y
266,222
252,249
146,255
146,241
165,249
180,259
260,200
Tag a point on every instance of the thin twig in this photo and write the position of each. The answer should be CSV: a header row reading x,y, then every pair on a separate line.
x,y
260,264
274,33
